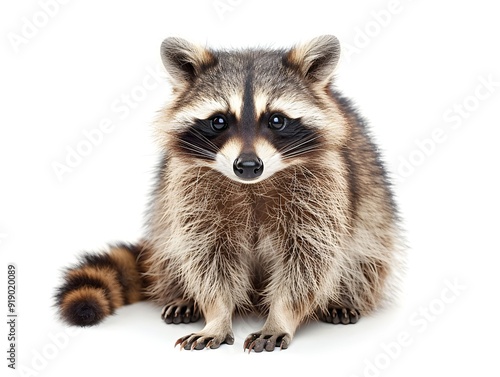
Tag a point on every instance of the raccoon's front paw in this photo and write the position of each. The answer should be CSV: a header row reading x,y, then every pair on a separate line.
x,y
340,315
180,312
258,341
198,341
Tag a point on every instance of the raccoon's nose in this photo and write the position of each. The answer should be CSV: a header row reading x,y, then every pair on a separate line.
x,y
248,166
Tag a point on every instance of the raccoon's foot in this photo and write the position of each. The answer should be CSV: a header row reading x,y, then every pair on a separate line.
x,y
199,341
217,330
258,341
339,315
278,330
180,312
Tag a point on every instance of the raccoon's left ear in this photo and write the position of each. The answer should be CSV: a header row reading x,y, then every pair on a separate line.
x,y
315,60
184,60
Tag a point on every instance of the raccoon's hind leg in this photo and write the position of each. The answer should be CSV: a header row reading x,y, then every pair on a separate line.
x,y
99,284
359,294
180,311
336,314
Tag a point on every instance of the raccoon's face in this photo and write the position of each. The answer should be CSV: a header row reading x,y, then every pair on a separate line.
x,y
252,113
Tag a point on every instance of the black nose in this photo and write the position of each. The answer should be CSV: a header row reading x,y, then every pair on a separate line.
x,y
248,166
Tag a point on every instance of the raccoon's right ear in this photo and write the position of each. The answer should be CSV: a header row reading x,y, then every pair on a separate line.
x,y
316,59
184,60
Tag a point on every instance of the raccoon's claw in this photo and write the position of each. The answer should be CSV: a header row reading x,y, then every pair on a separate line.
x,y
199,341
340,315
258,342
182,313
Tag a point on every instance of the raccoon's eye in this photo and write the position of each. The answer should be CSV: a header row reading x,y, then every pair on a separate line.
x,y
277,122
218,123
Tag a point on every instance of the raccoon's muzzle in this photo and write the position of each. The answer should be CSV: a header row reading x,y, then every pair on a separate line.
x,y
248,166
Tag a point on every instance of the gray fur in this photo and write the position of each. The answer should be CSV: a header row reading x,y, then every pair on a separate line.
x,y
320,233
314,235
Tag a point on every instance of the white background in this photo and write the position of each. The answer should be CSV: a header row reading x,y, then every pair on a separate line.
x,y
407,64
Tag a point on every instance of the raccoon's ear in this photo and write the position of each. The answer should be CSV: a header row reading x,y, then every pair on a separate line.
x,y
315,60
184,60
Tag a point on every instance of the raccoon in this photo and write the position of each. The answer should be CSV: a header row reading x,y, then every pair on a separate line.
x,y
270,197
